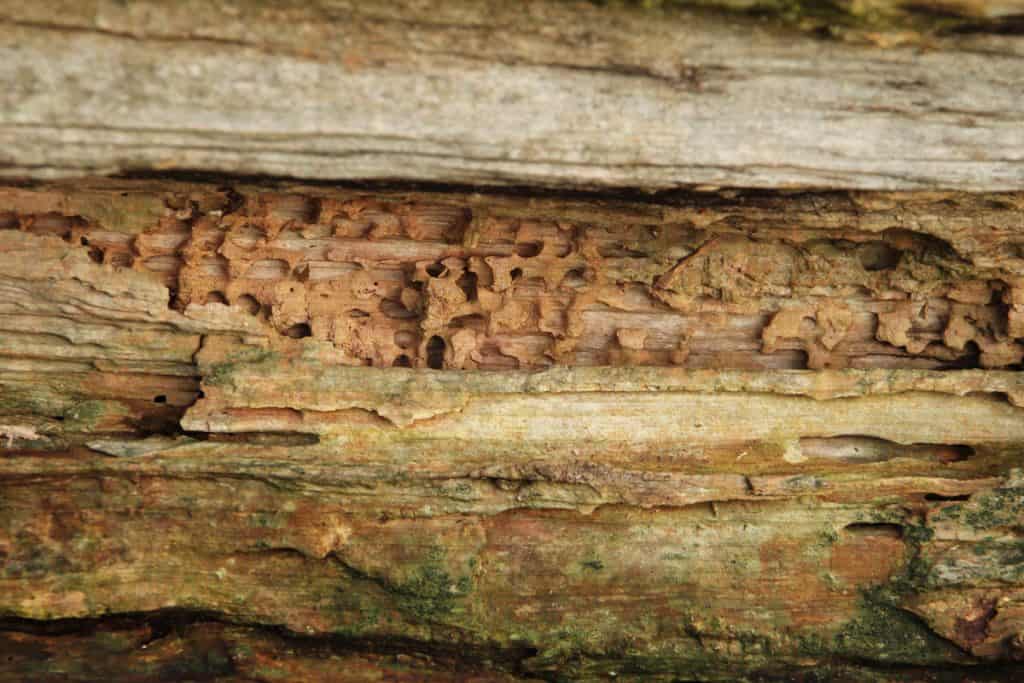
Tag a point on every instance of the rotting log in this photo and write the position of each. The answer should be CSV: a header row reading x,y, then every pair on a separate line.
x,y
720,378
256,432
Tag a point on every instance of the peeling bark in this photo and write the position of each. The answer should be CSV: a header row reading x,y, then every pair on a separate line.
x,y
731,435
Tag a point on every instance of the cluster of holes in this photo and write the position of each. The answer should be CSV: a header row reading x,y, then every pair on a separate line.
x,y
877,255
302,208
65,227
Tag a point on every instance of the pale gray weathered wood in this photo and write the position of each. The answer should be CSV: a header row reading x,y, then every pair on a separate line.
x,y
553,93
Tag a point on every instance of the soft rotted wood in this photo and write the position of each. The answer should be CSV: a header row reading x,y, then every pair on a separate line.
x,y
255,431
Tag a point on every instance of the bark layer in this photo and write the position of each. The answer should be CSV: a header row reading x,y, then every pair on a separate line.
x,y
733,435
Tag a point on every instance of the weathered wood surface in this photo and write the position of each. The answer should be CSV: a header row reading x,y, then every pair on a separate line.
x,y
211,468
541,92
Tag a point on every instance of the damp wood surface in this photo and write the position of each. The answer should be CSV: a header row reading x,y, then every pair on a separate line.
x,y
755,93
275,431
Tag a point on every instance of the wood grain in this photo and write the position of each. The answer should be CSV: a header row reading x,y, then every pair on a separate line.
x,y
544,92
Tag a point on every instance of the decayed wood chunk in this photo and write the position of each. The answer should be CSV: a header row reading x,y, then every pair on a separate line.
x,y
915,282
735,435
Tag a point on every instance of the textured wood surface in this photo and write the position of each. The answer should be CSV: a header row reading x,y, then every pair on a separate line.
x,y
542,92
208,473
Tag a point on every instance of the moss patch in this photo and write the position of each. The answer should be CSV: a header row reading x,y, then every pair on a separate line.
x,y
432,592
996,508
889,635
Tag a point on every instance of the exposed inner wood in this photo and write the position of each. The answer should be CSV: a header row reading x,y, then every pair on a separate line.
x,y
722,283
716,436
